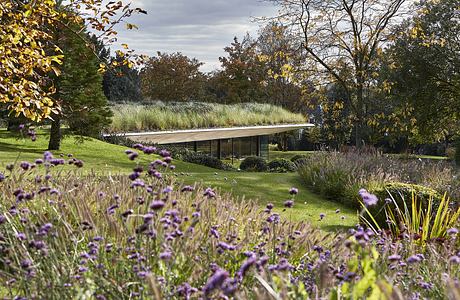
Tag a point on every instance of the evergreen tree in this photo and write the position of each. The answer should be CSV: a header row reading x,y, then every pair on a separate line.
x,y
78,89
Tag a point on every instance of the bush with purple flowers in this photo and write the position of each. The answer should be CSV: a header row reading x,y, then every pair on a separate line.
x,y
146,236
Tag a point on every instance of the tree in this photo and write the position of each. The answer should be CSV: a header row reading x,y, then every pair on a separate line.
x,y
421,71
279,52
242,72
79,91
122,83
172,77
26,58
337,34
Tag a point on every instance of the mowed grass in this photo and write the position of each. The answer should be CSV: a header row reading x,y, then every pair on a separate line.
x,y
107,159
287,154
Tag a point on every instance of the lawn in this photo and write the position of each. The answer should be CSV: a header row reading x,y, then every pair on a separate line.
x,y
287,154
107,159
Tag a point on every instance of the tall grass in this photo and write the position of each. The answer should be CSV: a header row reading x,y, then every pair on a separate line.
x,y
143,236
163,116
339,176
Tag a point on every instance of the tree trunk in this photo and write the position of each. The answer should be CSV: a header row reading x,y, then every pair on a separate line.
x,y
55,134
359,115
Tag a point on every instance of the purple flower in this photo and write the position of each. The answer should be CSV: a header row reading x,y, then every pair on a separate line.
x,y
246,265
134,175
165,255
186,290
133,155
25,165
157,204
209,193
164,153
452,231
225,246
394,257
149,150
289,203
167,189
269,206
187,188
2,177
21,126
414,259
293,191
368,198
215,281
21,236
321,216
454,260
26,263
214,232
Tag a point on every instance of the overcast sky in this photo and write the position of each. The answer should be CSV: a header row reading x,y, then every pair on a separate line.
x,y
197,28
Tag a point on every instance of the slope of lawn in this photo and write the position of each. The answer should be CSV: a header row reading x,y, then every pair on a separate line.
x,y
106,159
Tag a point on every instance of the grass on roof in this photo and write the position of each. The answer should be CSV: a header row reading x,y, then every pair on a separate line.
x,y
107,159
190,115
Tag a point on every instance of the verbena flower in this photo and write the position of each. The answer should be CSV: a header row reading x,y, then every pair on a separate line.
x,y
293,191
452,231
414,259
394,257
368,198
289,203
209,192
215,281
157,204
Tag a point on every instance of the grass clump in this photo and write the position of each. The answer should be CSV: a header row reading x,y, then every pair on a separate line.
x,y
339,176
164,116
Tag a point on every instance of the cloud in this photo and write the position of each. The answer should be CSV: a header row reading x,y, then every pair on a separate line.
x,y
197,28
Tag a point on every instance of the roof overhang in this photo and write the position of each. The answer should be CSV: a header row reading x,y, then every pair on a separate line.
x,y
193,135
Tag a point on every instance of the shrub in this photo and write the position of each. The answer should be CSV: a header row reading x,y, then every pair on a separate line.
x,y
204,159
254,163
281,165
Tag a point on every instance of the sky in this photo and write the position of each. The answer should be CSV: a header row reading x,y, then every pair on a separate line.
x,y
197,28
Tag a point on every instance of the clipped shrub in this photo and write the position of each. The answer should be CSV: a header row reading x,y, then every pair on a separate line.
x,y
395,195
254,164
281,165
205,160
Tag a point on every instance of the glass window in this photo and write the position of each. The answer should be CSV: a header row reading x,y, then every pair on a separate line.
x,y
226,149
203,147
264,146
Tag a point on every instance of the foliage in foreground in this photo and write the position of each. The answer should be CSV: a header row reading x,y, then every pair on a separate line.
x,y
143,236
162,116
421,219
